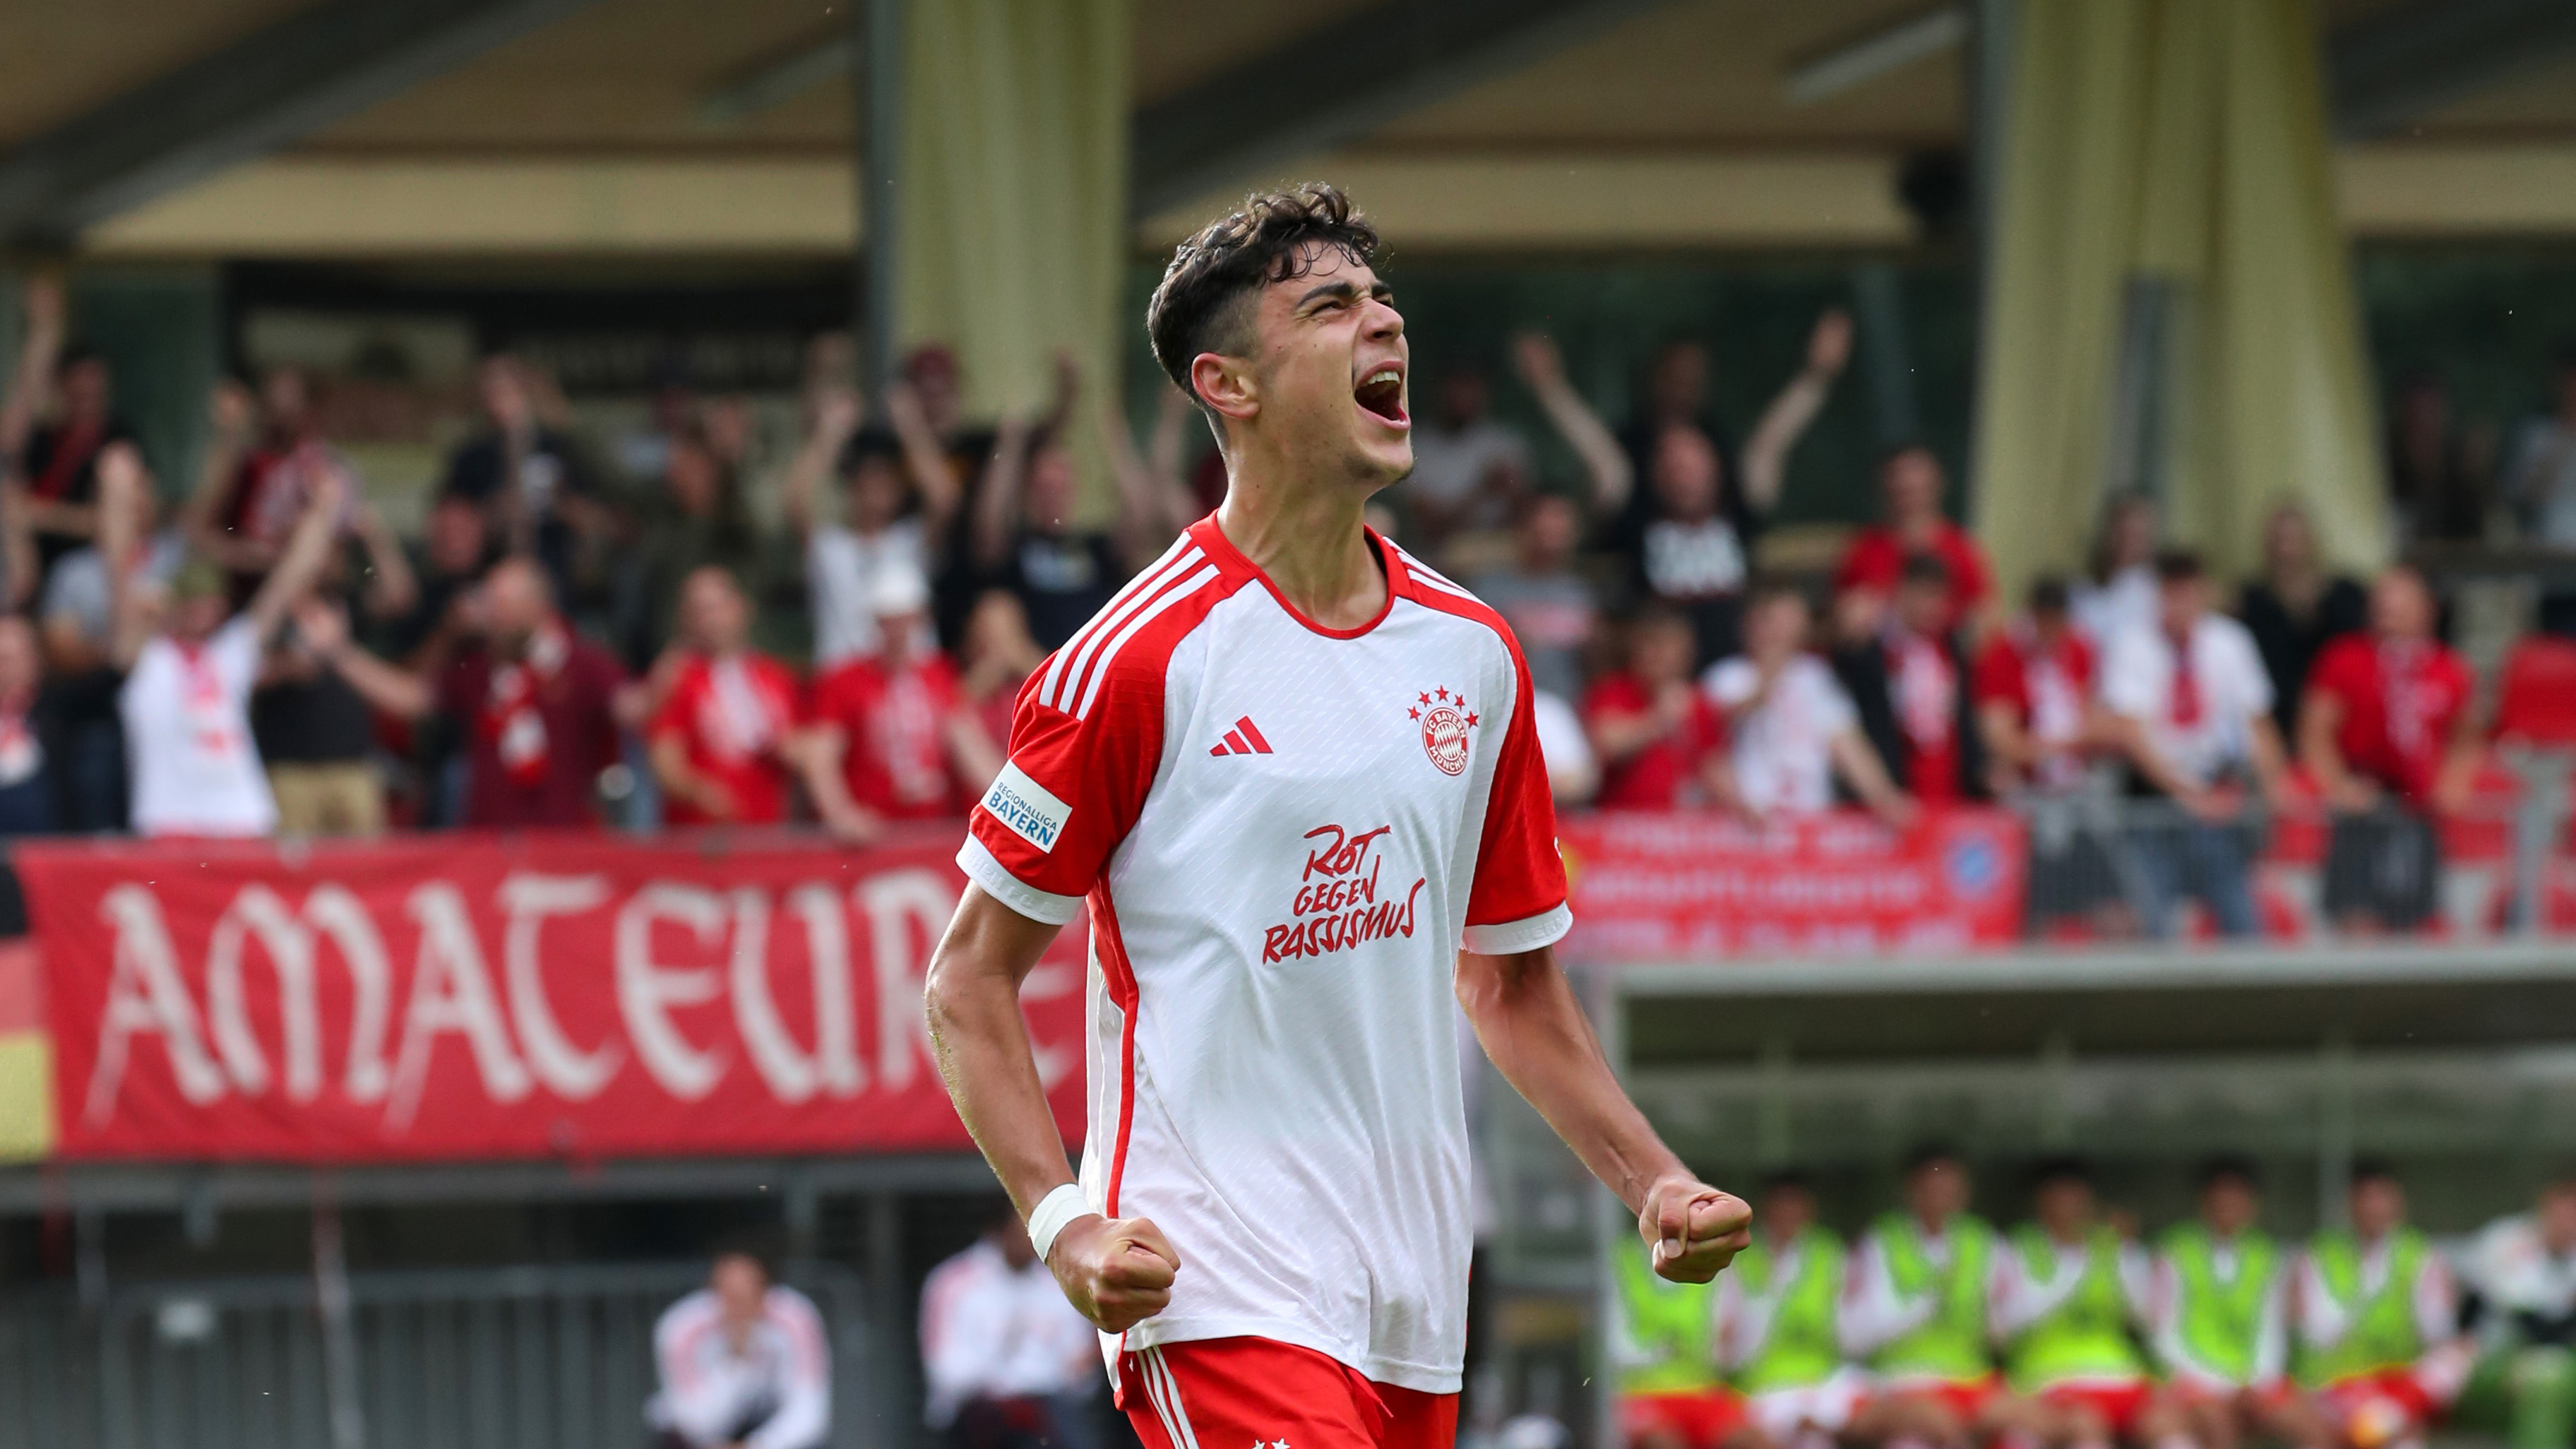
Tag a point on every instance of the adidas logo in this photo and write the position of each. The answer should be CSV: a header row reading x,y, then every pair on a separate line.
x,y
1243,739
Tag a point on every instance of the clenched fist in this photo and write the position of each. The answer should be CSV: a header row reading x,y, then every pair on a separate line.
x,y
1692,1229
1117,1273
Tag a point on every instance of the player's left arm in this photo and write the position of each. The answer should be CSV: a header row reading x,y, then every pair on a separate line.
x,y
1526,1015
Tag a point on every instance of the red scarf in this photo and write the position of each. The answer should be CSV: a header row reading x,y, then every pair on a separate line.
x,y
2407,700
202,700
1926,691
512,721
2185,705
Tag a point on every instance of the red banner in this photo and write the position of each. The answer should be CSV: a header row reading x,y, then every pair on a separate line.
x,y
1684,886
449,997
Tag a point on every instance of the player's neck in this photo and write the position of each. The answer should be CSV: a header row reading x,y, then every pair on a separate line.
x,y
1310,538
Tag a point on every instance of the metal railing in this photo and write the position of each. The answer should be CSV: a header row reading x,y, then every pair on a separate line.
x,y
2104,865
515,1358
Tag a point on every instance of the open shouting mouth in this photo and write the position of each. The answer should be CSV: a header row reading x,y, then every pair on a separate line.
x,y
1382,392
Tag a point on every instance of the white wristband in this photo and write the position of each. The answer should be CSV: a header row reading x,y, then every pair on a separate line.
x,y
1054,1211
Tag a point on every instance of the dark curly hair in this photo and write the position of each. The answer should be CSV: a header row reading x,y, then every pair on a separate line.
x,y
1203,303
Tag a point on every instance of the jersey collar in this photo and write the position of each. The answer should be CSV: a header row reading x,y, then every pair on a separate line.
x,y
1235,568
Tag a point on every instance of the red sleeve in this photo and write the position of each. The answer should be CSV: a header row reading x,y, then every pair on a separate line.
x,y
1865,562
827,701
1610,694
1071,790
1708,727
1975,581
2337,667
1517,902
945,683
1999,676
679,707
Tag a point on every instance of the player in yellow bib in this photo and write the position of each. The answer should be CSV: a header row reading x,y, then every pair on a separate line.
x,y
1664,1353
2066,1292
2379,1343
2218,1319
1914,1314
1777,1337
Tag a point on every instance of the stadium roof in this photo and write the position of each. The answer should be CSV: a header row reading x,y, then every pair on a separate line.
x,y
273,127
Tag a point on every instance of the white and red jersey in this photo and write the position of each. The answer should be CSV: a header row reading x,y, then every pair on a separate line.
x,y
1286,833
2046,686
772,1389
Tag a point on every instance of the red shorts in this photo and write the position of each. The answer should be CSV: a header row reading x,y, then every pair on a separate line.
x,y
1218,1393
2200,1391
1967,1398
2118,1404
1700,1420
2374,1408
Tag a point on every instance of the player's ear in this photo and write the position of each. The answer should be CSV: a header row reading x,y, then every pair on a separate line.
x,y
1226,385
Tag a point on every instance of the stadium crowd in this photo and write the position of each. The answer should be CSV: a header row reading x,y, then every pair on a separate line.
x,y
577,634
1934,1330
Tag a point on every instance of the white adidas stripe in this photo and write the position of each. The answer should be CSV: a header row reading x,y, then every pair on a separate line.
x,y
1185,1437
1153,1391
1099,669
1431,577
1070,661
1439,585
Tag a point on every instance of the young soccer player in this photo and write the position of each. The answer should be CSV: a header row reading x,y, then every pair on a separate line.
x,y
1664,1353
1914,1312
1776,1334
2379,1340
1294,774
2219,1324
2066,1291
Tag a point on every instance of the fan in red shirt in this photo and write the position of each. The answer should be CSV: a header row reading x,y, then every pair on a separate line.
x,y
2386,731
1910,482
1661,740
2033,686
538,705
719,741
2536,699
892,736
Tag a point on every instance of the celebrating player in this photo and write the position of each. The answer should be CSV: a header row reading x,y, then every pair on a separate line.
x,y
1295,775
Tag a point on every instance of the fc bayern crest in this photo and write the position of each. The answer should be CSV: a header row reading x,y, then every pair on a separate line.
x,y
1446,721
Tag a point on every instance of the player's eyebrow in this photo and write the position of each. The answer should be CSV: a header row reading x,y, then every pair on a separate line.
x,y
1345,290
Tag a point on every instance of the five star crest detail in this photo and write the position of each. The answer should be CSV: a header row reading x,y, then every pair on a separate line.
x,y
1446,722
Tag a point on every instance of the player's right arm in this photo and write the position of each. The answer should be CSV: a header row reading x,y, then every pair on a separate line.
x,y
1116,1273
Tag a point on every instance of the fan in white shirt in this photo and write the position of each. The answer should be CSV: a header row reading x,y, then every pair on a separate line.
x,y
744,1364
1006,1358
843,561
190,665
2190,695
1790,727
2524,1269
2191,705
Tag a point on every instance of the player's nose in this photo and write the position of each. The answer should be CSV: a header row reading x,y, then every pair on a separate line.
x,y
1382,322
